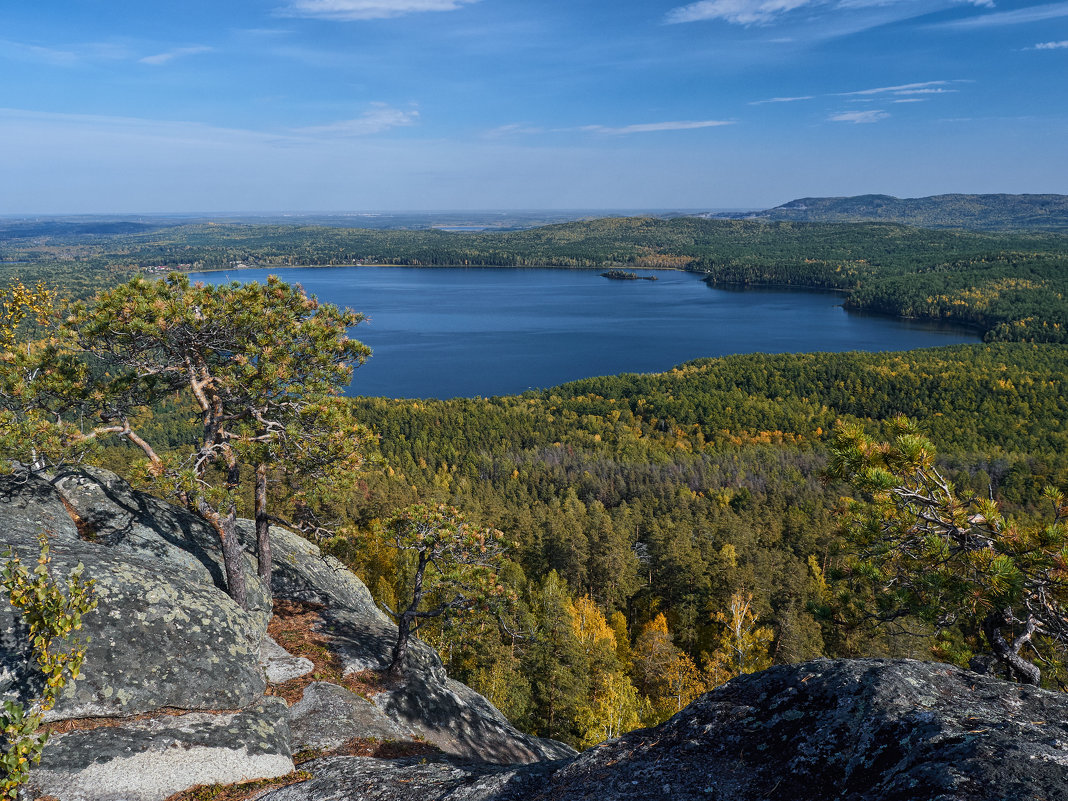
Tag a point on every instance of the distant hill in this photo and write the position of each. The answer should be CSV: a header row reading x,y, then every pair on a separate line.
x,y
981,212
61,228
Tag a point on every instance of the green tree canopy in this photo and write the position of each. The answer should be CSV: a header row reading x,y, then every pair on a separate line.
x,y
453,569
953,560
262,364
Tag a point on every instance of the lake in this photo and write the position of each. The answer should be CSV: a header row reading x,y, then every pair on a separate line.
x,y
454,331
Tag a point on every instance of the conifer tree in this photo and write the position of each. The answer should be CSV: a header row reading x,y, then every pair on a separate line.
x,y
952,560
260,363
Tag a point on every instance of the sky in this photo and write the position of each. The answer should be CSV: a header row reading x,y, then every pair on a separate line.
x,y
115,106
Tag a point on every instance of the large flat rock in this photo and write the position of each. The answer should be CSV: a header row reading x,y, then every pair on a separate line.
x,y
148,760
328,716
423,779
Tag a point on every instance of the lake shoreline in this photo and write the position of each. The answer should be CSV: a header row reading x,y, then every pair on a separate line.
x,y
483,331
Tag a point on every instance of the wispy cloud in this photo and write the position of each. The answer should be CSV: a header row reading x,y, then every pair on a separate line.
x,y
381,117
740,12
905,92
651,127
1051,45
64,56
923,88
859,117
48,55
170,55
350,10
1019,16
762,12
514,129
781,100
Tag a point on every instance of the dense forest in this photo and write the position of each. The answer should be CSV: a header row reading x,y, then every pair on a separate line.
x,y
669,530
672,494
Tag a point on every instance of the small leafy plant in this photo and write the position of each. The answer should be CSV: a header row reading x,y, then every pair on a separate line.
x,y
52,611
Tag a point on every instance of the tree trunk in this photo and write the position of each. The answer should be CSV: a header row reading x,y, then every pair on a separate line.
x,y
263,527
232,553
400,649
1022,670
234,560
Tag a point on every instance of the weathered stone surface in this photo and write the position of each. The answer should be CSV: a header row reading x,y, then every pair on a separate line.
x,y
301,572
365,643
845,730
162,635
155,639
30,506
329,715
441,779
116,515
148,760
279,665
459,721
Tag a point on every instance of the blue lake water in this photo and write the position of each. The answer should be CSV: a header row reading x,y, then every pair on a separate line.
x,y
449,332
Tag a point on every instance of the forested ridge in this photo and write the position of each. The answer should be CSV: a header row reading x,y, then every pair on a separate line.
x,y
1010,285
981,212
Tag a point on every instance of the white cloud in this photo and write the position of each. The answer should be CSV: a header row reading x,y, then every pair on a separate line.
x,y
650,127
741,12
781,100
69,55
513,129
759,12
377,119
910,100
1019,16
1051,45
170,55
859,117
349,10
926,87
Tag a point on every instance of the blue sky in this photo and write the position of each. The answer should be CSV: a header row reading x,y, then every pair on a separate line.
x,y
111,106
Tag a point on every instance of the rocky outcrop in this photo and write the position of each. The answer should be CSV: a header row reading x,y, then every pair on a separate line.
x,y
172,688
162,635
166,639
848,730
864,729
111,513
301,572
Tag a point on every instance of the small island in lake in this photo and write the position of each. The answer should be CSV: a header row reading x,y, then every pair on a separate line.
x,y
624,275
